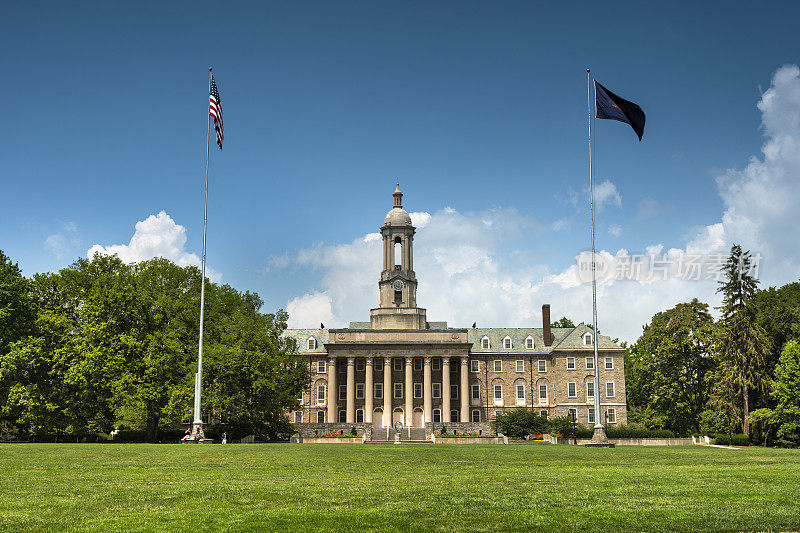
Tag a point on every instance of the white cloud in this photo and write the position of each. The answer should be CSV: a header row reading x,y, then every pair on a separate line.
x,y
605,193
648,208
560,225
615,230
60,243
466,275
156,236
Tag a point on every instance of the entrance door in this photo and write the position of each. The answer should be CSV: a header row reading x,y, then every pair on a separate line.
x,y
377,418
418,419
397,416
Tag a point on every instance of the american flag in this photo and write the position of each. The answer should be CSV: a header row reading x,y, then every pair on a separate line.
x,y
215,110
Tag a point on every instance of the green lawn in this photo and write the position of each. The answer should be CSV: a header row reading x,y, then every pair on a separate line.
x,y
342,487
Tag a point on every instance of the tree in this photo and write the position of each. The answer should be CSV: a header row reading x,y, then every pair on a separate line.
x,y
786,393
742,343
666,370
16,315
563,322
521,423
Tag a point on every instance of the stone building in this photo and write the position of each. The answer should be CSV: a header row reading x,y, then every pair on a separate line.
x,y
399,367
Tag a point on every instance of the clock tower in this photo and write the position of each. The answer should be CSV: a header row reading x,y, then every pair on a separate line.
x,y
398,284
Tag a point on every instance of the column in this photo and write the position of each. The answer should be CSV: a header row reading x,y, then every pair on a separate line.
x,y
446,389
465,392
333,393
409,392
351,390
368,392
427,400
387,391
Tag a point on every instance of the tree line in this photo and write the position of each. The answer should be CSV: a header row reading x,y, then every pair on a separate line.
x,y
103,344
692,374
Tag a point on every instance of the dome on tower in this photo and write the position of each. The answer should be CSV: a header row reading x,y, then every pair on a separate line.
x,y
397,216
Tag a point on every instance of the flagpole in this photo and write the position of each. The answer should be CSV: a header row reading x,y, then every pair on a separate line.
x,y
599,431
198,378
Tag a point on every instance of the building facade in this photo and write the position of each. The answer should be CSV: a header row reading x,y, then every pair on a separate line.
x,y
399,367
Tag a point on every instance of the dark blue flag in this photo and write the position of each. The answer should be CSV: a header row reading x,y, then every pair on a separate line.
x,y
609,105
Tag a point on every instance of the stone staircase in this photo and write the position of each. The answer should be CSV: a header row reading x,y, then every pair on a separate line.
x,y
407,436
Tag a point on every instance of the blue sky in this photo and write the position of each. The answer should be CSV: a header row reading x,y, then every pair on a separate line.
x,y
479,107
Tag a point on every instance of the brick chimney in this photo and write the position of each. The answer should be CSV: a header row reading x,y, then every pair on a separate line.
x,y
548,338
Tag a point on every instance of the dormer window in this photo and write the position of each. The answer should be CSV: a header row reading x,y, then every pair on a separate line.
x,y
311,344
587,339
507,343
529,343
485,343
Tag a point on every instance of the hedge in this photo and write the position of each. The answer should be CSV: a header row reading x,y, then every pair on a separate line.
x,y
634,432
739,439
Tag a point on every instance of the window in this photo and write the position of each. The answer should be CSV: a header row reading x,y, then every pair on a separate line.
x,y
498,414
520,392
298,417
417,363
476,415
320,417
520,366
436,390
311,344
360,364
570,363
590,363
572,413
474,365
342,368
542,392
453,367
498,365
587,339
321,367
507,343
529,343
436,364
610,389
476,392
498,392
485,343
571,390
454,392
543,413
437,415
398,390
590,419
398,364
321,394
609,363
454,415
377,363
542,365
359,416
590,389
611,416
359,391
342,392
378,390
417,390
342,417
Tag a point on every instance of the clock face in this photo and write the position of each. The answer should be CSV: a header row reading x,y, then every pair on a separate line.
x,y
398,285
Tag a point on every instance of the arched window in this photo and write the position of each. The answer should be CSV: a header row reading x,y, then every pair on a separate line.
x,y
529,343
507,343
398,247
311,344
587,339
485,343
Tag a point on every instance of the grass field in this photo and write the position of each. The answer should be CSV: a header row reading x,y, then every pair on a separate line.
x,y
342,487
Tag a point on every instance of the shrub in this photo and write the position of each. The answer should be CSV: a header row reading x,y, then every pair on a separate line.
x,y
739,439
638,431
519,423
563,425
